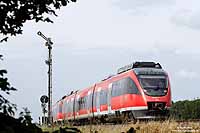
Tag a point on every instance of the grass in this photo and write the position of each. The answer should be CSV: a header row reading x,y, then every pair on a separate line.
x,y
49,129
168,126
60,129
145,127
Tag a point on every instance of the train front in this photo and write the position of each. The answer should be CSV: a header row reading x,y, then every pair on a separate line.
x,y
153,83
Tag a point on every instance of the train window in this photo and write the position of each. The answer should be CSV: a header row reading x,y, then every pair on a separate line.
x,y
154,85
124,86
70,106
67,106
82,103
79,103
76,105
103,97
60,108
64,107
131,87
95,99
89,101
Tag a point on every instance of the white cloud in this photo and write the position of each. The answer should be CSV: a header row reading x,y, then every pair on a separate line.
x,y
187,74
192,51
187,13
187,18
141,6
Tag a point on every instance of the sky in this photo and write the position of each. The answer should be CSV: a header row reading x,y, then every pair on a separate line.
x,y
93,38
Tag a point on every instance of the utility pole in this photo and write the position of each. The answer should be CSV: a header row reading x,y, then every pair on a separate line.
x,y
49,44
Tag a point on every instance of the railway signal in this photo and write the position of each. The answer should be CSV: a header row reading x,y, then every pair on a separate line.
x,y
48,44
44,100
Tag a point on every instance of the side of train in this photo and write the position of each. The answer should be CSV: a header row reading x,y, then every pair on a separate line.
x,y
139,90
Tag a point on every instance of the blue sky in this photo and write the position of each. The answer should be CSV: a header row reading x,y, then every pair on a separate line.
x,y
93,38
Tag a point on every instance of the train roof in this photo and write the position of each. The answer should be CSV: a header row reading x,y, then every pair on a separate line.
x,y
138,68
139,65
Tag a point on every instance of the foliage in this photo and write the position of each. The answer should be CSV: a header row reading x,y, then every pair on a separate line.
x,y
25,116
186,109
11,125
67,130
14,13
5,106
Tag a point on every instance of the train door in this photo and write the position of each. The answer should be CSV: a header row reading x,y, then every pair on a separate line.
x,y
89,103
93,100
66,110
98,100
74,105
109,97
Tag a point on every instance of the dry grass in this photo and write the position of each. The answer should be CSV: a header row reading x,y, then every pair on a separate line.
x,y
145,127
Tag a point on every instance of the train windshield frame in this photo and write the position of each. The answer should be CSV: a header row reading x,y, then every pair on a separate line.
x,y
154,85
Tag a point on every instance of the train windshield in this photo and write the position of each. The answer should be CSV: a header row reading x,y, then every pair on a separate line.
x,y
154,85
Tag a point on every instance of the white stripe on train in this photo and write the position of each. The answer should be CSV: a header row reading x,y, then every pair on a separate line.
x,y
106,112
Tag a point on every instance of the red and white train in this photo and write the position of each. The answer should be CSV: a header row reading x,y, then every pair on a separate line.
x,y
139,90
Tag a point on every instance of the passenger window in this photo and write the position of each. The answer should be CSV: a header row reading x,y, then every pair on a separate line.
x,y
103,97
124,86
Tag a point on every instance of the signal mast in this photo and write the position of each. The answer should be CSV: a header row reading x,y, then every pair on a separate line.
x,y
48,44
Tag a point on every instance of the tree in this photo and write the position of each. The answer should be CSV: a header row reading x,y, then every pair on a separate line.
x,y
9,124
5,106
25,116
186,109
14,13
